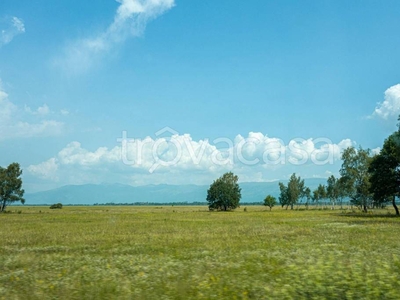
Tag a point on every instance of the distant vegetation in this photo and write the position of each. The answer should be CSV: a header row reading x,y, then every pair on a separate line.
x,y
369,181
56,206
155,204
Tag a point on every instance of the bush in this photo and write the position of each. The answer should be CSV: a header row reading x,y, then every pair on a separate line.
x,y
56,206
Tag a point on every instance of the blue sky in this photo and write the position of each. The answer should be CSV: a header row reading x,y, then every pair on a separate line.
x,y
76,74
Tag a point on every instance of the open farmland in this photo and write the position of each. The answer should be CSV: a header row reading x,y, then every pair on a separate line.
x,y
191,253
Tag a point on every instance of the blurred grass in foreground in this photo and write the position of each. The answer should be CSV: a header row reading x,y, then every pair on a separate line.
x,y
189,253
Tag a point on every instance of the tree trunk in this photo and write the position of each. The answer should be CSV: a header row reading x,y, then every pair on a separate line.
x,y
395,206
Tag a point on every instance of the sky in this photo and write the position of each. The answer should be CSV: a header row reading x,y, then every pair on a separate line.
x,y
178,92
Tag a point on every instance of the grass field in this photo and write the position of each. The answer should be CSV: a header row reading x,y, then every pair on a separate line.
x,y
190,253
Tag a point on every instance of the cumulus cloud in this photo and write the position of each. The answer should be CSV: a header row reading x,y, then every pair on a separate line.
x,y
390,107
9,28
130,20
46,170
16,123
172,159
74,154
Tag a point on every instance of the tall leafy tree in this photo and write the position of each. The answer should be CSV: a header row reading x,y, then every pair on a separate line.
x,y
385,172
342,190
354,172
10,186
334,190
283,196
322,192
319,194
291,193
315,196
224,193
307,195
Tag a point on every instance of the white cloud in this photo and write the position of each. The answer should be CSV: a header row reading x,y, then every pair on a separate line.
x,y
130,20
180,159
15,122
390,107
9,28
6,107
376,151
45,170
74,154
26,130
41,110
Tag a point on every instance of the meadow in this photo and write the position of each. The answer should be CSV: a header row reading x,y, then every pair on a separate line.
x,y
174,252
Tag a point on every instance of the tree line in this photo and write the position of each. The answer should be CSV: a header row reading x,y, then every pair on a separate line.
x,y
367,180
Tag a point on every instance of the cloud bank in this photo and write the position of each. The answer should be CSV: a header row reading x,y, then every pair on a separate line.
x,y
130,20
180,159
9,28
390,107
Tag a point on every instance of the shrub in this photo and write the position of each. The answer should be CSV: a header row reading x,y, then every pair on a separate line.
x,y
56,206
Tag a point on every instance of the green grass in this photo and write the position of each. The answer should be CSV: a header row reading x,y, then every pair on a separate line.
x,y
190,253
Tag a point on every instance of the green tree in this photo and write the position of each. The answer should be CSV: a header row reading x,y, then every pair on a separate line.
x,y
385,172
283,196
319,194
322,192
334,190
354,172
224,193
10,186
307,195
315,196
270,201
291,193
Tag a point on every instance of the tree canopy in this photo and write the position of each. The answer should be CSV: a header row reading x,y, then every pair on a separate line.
x,y
224,193
270,201
291,193
319,193
335,190
10,186
354,172
385,172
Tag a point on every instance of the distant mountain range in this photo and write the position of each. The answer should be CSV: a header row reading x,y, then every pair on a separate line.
x,y
89,194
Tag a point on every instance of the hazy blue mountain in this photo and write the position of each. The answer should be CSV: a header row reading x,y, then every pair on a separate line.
x,y
119,193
